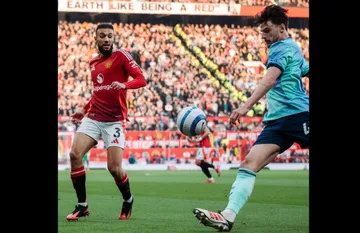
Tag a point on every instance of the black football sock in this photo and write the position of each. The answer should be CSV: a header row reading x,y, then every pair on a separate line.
x,y
124,187
78,178
205,168
206,164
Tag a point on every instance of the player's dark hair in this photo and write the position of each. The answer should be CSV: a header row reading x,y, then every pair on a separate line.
x,y
104,25
276,14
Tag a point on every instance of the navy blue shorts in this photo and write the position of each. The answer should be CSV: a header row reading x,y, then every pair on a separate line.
x,y
285,131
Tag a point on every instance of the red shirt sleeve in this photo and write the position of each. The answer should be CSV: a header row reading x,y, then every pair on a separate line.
x,y
133,69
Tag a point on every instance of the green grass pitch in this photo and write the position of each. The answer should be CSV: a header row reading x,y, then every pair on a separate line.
x,y
164,201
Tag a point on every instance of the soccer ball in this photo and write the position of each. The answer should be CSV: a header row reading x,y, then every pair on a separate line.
x,y
191,121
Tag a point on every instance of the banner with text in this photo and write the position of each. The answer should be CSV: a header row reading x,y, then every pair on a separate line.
x,y
244,119
164,8
100,155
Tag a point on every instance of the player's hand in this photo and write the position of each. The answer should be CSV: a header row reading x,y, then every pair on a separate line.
x,y
77,117
117,85
236,114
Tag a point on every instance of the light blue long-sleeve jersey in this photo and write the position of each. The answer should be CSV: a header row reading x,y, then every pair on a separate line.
x,y
287,96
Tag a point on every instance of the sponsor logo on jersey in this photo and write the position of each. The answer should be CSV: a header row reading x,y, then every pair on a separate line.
x,y
100,78
106,87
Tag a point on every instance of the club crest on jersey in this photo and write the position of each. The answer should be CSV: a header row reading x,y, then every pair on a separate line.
x,y
100,78
92,68
108,64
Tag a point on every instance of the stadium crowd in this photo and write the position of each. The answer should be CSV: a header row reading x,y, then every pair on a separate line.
x,y
174,76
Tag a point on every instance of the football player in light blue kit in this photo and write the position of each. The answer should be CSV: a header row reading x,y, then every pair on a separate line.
x,y
287,119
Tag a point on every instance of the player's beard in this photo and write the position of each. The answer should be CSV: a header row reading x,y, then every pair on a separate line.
x,y
105,53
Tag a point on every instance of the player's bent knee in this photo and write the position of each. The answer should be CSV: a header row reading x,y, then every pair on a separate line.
x,y
116,171
75,155
251,165
259,156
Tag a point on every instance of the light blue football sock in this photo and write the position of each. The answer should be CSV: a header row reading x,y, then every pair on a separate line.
x,y
241,189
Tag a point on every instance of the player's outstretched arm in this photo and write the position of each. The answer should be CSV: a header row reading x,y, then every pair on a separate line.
x,y
264,86
134,71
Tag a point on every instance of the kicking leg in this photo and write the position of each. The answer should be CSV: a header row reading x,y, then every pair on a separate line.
x,y
259,156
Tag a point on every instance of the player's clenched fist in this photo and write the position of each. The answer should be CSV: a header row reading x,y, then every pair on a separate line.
x,y
117,85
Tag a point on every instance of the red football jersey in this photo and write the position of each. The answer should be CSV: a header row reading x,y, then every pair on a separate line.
x,y
106,103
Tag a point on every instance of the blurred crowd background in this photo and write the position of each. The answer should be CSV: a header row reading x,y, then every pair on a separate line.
x,y
213,62
174,79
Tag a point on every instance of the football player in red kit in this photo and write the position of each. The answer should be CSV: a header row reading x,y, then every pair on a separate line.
x,y
102,117
206,143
